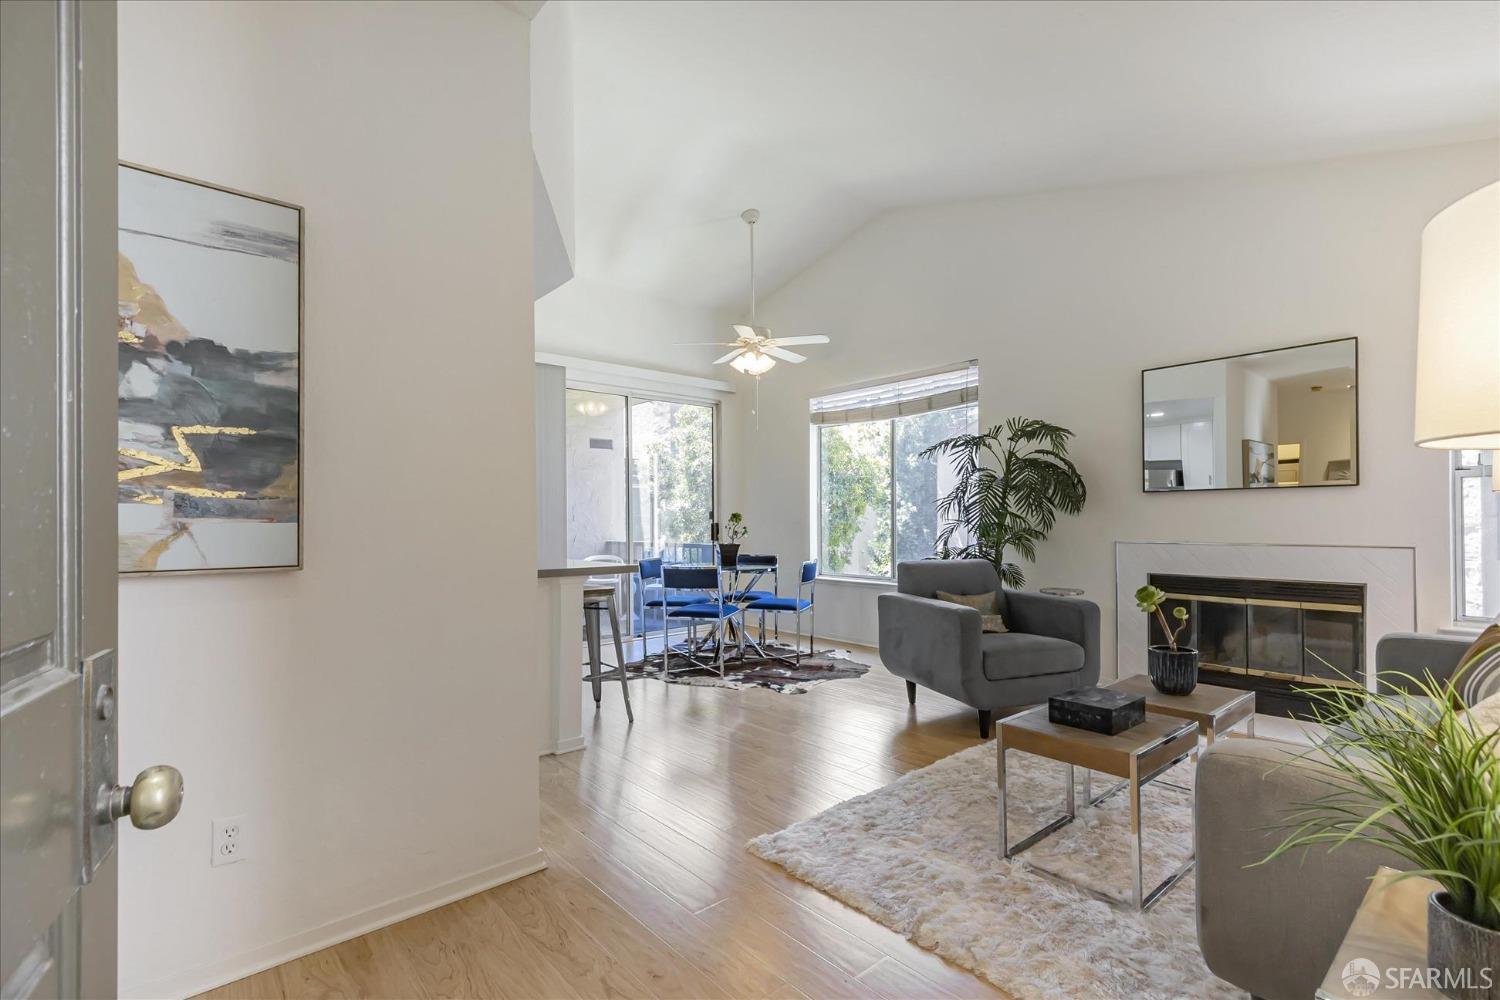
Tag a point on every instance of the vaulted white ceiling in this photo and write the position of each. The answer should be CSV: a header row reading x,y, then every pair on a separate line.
x,y
825,114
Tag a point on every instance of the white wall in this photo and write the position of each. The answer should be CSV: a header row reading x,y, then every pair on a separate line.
x,y
551,474
369,715
552,110
1319,421
1065,296
1251,409
552,144
589,319
1260,416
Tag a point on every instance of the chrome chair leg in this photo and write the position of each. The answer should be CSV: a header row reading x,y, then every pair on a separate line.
x,y
666,646
776,589
596,658
614,624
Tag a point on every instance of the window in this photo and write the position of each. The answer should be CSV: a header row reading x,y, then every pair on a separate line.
x,y
877,497
1476,537
672,480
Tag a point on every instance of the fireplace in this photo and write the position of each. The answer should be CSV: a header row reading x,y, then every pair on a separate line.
x,y
1274,637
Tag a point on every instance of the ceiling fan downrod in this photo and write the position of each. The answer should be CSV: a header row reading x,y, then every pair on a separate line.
x,y
751,217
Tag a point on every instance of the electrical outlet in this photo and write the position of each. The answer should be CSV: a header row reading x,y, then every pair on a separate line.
x,y
229,844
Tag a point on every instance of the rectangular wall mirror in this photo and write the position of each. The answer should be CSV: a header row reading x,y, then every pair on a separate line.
x,y
1276,419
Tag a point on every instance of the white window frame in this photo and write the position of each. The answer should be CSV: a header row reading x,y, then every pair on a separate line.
x,y
1458,473
815,514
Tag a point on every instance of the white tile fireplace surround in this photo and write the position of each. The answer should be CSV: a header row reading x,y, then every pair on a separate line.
x,y
1388,573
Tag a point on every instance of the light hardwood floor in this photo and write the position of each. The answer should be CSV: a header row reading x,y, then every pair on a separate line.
x,y
650,891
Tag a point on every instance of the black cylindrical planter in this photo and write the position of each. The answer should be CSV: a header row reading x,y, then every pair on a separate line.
x,y
1462,952
1173,671
729,554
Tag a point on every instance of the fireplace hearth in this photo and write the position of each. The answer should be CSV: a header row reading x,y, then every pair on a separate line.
x,y
1274,637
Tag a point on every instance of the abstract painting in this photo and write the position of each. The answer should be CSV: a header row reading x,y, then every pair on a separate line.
x,y
1260,463
210,382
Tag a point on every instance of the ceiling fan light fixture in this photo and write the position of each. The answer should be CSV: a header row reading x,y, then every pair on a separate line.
x,y
592,407
753,363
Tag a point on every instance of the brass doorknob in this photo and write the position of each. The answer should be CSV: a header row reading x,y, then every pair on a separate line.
x,y
152,801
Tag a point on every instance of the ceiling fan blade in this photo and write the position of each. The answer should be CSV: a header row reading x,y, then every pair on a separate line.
x,y
777,352
731,355
753,332
706,343
816,338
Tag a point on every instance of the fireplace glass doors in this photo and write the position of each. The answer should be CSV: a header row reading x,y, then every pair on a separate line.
x,y
1270,635
1221,631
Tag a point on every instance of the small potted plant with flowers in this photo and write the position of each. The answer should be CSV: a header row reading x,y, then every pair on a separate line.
x,y
1173,669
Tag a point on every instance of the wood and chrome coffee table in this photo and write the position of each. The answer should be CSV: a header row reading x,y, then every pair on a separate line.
x,y
1215,709
1137,755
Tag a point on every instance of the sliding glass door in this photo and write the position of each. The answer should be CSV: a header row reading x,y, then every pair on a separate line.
x,y
597,476
640,486
672,480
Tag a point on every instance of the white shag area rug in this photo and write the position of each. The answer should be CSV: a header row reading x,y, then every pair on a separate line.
x,y
921,856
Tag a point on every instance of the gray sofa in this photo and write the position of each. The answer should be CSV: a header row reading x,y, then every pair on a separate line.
x,y
1053,644
1274,929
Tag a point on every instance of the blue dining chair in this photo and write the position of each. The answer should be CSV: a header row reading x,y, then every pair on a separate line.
x,y
797,605
655,597
651,580
757,567
714,608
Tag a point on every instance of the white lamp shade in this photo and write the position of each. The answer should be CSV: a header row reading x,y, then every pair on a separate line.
x,y
1458,326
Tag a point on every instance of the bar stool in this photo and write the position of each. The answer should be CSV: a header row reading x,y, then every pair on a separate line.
x,y
597,601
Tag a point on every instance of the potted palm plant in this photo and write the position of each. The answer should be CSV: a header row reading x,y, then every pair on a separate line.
x,y
1173,669
1423,782
1011,504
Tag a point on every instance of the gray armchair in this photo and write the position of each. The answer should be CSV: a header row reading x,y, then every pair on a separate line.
x,y
1053,644
1274,929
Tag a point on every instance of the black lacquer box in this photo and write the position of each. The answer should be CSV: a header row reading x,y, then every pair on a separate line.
x,y
1097,709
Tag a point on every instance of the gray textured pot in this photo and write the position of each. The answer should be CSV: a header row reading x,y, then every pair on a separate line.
x,y
1172,671
1465,955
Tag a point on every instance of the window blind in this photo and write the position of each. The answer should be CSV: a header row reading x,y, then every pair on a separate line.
x,y
922,394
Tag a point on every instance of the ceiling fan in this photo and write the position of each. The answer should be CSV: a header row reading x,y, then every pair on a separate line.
x,y
755,350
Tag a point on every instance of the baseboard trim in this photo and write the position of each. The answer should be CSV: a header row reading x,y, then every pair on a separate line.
x,y
842,641
564,746
209,975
